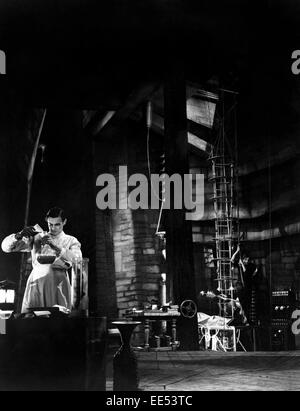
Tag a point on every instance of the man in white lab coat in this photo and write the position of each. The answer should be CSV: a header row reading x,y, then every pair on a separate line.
x,y
53,253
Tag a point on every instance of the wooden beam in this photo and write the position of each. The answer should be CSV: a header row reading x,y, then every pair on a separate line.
x,y
179,246
157,125
105,127
103,121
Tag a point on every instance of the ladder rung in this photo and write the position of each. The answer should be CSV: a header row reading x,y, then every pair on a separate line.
x,y
225,217
224,279
224,199
223,165
224,237
215,178
228,237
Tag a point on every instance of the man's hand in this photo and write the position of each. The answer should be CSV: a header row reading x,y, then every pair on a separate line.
x,y
48,240
26,232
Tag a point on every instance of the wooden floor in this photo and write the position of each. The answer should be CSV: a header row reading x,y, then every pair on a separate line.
x,y
218,371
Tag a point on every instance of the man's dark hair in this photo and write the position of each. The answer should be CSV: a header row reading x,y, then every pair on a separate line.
x,y
55,212
244,253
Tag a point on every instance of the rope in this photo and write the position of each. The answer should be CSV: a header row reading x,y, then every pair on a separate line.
x,y
162,200
23,264
270,220
149,165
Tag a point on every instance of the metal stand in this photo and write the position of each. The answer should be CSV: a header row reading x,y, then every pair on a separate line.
x,y
125,361
218,338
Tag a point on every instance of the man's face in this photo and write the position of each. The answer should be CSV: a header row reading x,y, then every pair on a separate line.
x,y
246,260
55,225
238,286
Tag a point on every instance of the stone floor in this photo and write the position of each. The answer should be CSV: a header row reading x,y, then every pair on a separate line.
x,y
216,371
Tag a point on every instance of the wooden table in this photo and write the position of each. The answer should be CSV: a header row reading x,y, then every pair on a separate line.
x,y
146,317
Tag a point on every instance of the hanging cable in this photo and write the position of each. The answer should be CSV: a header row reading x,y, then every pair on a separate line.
x,y
149,124
149,115
157,232
236,159
161,199
270,219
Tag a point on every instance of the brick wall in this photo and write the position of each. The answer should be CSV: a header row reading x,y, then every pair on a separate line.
x,y
137,259
128,254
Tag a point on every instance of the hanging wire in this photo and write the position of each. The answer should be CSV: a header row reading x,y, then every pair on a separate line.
x,y
161,199
157,232
236,159
223,124
270,218
149,166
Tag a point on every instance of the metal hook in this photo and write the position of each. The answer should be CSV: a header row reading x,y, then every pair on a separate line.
x,y
42,147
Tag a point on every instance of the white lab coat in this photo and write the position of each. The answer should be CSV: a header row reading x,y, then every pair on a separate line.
x,y
47,284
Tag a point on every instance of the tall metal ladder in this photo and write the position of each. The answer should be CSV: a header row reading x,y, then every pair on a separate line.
x,y
223,180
